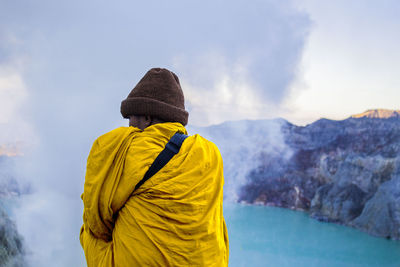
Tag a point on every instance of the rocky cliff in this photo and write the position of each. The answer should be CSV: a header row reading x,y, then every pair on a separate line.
x,y
11,243
345,171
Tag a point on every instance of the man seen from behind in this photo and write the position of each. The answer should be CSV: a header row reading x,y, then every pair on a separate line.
x,y
153,195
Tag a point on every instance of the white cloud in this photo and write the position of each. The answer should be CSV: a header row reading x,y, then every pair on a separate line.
x,y
15,127
230,94
12,95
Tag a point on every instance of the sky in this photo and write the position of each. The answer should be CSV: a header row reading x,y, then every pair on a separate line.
x,y
66,66
350,63
300,60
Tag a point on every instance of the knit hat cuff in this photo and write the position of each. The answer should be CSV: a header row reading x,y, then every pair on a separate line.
x,y
153,107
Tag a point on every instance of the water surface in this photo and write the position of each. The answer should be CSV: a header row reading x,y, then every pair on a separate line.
x,y
268,236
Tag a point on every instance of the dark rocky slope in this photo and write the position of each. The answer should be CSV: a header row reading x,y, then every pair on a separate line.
x,y
346,171
11,243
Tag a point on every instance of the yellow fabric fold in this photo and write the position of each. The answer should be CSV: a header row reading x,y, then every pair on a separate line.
x,y
174,219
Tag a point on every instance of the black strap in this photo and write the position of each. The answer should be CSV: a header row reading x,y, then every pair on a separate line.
x,y
172,148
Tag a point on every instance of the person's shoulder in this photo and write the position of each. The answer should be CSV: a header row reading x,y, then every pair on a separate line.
x,y
113,135
203,142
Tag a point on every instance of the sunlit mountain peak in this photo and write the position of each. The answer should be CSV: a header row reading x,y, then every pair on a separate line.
x,y
378,114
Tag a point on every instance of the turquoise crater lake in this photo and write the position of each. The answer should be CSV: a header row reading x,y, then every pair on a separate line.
x,y
268,236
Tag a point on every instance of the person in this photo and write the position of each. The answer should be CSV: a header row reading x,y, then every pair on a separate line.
x,y
175,217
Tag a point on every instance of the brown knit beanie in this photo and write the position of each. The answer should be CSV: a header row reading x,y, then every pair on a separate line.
x,y
158,94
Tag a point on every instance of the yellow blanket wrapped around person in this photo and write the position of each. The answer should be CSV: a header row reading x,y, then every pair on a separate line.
x,y
174,219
